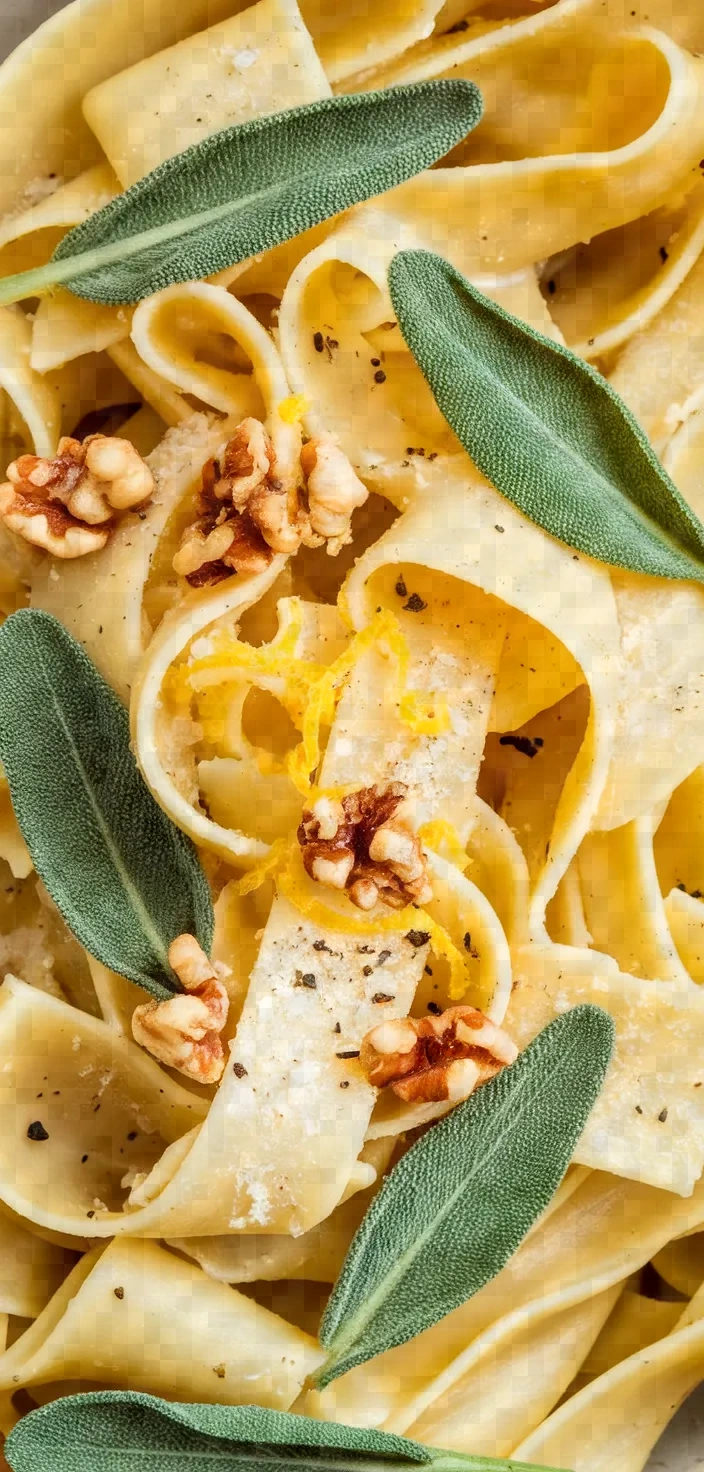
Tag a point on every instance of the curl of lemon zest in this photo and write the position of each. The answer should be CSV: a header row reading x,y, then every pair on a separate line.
x,y
293,409
279,852
443,837
291,883
320,710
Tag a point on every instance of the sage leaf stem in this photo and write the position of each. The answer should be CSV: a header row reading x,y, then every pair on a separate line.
x,y
125,879
252,186
543,426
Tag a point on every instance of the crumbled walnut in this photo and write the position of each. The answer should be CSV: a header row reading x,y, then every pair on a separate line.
x,y
184,1032
365,844
67,505
246,513
333,491
428,1059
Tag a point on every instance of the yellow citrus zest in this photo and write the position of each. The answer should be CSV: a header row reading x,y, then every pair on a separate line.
x,y
266,868
443,837
293,409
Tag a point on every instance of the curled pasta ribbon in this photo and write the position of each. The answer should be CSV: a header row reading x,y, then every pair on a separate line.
x,y
137,1293
453,533
35,400
172,327
505,215
101,600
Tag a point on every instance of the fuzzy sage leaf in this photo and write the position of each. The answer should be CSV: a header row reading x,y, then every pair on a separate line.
x,y
252,186
457,1206
543,426
126,1431
125,879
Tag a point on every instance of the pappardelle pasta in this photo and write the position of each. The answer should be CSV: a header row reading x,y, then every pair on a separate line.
x,y
351,701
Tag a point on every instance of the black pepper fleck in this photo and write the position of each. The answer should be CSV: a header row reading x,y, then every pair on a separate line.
x,y
306,978
382,957
401,588
435,1009
240,1070
664,255
132,1135
348,1053
345,1084
36,1131
380,376
318,342
367,970
376,362
337,1027
417,938
383,997
415,604
119,1293
638,1109
320,945
662,1116
521,743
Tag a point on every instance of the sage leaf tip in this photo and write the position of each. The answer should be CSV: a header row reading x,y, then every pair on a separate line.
x,y
124,878
241,191
543,426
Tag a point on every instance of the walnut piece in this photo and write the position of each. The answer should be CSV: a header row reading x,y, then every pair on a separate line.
x,y
67,505
428,1059
246,513
365,844
334,491
184,1032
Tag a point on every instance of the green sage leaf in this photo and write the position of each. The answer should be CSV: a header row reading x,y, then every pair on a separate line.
x,y
543,426
126,1431
252,186
125,879
457,1206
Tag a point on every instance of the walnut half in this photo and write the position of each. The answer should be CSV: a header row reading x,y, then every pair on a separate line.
x,y
67,505
428,1059
364,844
246,513
184,1031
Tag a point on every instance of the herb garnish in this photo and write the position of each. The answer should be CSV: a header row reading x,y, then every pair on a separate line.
x,y
125,879
457,1206
543,426
127,1431
252,186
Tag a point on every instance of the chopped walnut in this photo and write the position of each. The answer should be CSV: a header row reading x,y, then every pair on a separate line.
x,y
184,1032
334,491
246,513
364,844
428,1059
67,505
